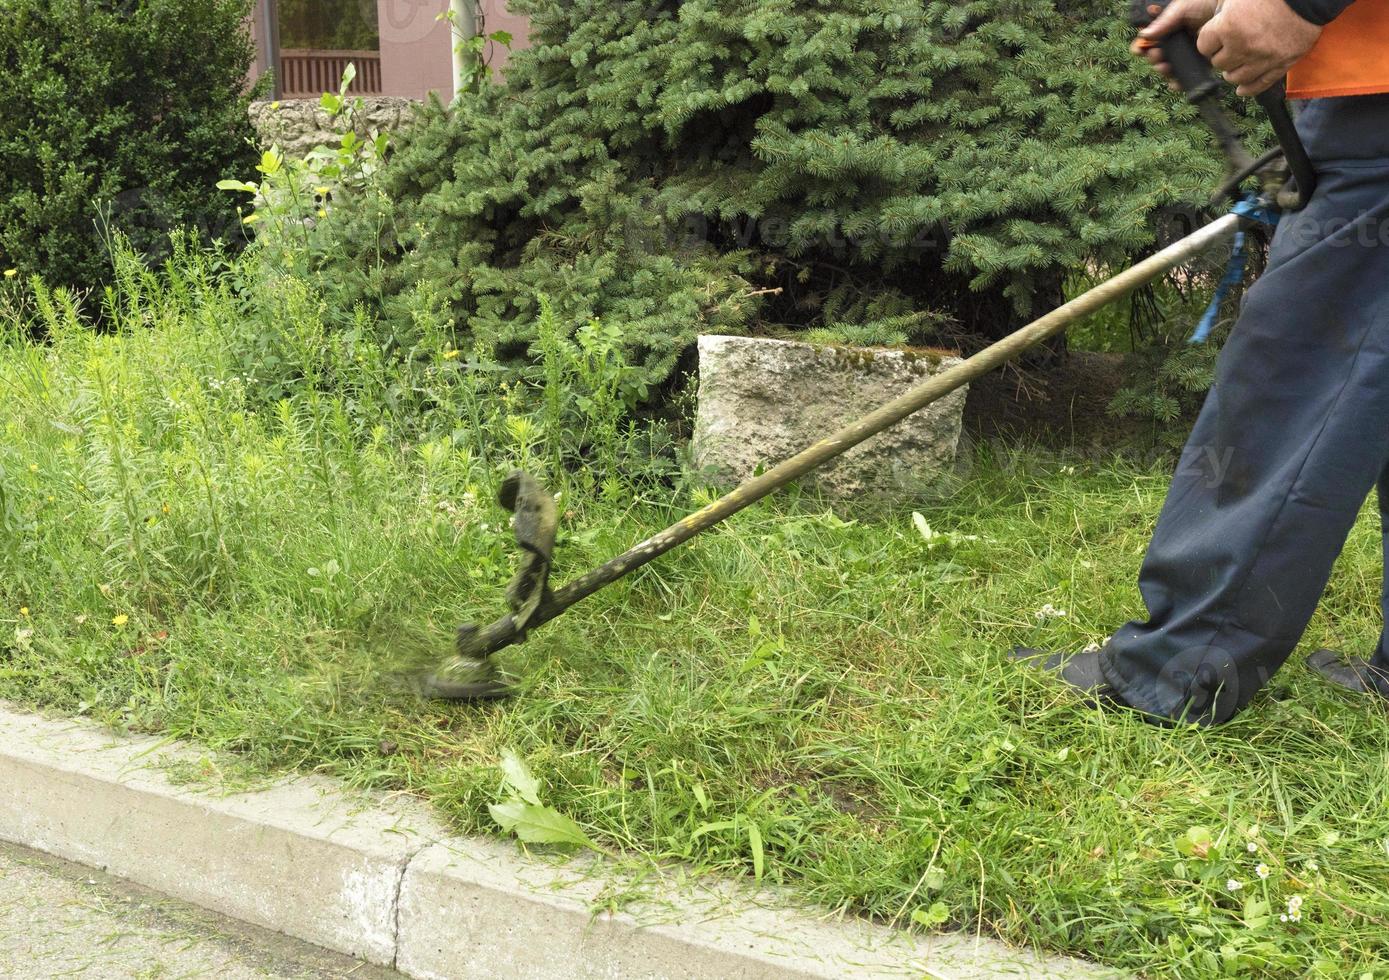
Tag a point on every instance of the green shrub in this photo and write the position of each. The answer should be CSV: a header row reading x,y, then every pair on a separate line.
x,y
118,116
720,165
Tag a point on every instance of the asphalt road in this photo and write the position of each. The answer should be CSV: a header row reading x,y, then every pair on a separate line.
x,y
62,920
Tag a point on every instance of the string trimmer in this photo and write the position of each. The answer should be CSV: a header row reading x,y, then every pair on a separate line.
x,y
1286,180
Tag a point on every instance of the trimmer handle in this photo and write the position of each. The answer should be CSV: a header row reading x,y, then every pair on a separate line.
x,y
1196,76
1191,70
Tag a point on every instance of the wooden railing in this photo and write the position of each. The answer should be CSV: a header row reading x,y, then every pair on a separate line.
x,y
307,74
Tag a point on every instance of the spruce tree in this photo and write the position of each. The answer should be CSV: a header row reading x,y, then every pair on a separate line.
x,y
867,167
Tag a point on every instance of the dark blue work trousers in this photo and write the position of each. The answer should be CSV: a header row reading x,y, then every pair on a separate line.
x,y
1293,437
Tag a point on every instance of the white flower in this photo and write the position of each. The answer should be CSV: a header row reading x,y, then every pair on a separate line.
x,y
1050,612
1252,848
1295,904
1233,886
1262,871
1313,866
1282,918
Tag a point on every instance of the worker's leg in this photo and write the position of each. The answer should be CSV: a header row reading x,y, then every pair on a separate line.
x,y
1380,660
1291,440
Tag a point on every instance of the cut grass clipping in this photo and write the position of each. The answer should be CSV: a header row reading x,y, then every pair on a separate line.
x,y
226,521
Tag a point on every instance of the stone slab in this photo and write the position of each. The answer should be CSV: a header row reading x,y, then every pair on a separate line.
x,y
763,401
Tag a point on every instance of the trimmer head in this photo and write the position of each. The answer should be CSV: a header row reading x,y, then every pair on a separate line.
x,y
470,675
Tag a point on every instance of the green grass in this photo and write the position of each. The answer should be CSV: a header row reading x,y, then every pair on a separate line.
x,y
228,522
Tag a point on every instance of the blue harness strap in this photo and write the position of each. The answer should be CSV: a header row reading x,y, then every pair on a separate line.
x,y
1250,208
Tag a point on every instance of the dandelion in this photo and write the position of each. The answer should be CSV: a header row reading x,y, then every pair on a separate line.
x,y
1262,871
33,467
1233,886
24,611
11,273
120,620
451,355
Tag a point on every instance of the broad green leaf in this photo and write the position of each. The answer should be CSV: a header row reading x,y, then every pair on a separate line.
x,y
519,778
237,185
349,75
539,824
934,917
758,857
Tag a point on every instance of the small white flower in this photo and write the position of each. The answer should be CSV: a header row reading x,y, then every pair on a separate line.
x,y
1282,918
1313,866
1050,612
1262,871
1295,904
1233,886
1252,848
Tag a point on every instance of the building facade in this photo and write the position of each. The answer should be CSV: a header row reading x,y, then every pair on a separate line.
x,y
401,48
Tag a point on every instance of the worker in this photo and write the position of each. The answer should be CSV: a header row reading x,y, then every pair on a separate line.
x,y
1295,431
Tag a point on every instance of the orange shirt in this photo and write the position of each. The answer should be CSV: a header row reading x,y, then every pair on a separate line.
x,y
1352,57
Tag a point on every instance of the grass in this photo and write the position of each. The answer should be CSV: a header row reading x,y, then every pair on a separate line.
x,y
227,521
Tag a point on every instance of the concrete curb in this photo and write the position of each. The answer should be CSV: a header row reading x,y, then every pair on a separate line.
x,y
382,881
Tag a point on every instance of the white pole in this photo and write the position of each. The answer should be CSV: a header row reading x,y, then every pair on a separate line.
x,y
464,27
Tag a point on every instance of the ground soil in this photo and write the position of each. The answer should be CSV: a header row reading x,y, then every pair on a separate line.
x,y
1062,404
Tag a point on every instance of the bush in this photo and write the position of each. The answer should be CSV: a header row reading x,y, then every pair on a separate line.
x,y
712,165
119,115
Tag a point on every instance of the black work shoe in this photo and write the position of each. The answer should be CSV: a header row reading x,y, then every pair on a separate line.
x,y
1080,670
1351,673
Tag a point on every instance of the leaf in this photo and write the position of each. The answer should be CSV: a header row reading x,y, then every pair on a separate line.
x,y
349,75
238,185
934,917
519,778
1196,843
539,824
331,103
759,858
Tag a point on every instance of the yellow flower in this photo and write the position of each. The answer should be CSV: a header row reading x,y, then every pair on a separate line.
x,y
322,213
24,611
451,355
322,191
11,273
33,467
167,508
120,620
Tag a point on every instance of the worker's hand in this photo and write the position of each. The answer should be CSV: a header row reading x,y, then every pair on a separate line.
x,y
1190,14
1252,43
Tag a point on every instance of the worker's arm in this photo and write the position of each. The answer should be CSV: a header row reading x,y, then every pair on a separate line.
x,y
1252,43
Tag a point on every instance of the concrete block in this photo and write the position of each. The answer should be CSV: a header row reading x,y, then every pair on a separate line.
x,y
763,401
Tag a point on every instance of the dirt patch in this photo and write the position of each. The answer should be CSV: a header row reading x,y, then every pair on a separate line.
x,y
1062,405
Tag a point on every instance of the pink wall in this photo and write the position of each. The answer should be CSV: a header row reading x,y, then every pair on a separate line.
x,y
417,47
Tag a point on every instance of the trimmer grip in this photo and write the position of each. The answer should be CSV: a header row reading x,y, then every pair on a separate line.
x,y
1191,70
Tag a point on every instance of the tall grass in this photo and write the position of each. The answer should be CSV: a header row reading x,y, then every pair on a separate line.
x,y
237,517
